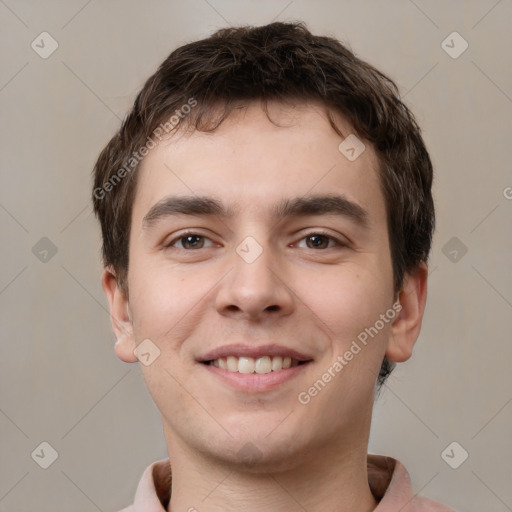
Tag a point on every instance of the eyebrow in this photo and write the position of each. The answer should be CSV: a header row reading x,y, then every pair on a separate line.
x,y
296,207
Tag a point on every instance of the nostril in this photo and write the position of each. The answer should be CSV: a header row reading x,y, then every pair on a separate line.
x,y
272,308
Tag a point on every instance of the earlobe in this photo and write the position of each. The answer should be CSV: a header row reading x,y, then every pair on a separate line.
x,y
119,317
407,324
124,349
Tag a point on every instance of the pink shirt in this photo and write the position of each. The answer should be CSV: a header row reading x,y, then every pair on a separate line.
x,y
388,479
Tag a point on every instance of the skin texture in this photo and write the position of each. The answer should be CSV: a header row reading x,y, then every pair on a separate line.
x,y
313,299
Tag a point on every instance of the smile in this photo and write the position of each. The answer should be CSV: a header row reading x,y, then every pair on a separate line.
x,y
254,368
260,365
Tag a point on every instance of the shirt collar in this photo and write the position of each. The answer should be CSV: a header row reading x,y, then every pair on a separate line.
x,y
388,479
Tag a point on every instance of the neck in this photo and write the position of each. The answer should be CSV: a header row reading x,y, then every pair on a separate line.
x,y
333,478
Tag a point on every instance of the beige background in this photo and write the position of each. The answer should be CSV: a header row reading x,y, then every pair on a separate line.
x,y
60,380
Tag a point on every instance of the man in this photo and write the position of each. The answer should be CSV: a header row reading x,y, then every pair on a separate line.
x,y
267,216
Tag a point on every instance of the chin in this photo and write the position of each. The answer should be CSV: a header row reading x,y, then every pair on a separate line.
x,y
259,458
259,450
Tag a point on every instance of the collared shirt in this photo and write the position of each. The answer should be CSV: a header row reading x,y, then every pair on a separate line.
x,y
388,479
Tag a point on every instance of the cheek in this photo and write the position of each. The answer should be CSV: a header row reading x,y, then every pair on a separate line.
x,y
165,301
348,299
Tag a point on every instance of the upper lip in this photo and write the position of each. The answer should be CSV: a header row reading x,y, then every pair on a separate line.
x,y
254,352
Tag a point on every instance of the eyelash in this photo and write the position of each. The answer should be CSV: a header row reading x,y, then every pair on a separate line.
x,y
181,237
337,242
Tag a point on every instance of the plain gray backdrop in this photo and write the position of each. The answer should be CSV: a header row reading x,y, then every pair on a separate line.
x,y
60,380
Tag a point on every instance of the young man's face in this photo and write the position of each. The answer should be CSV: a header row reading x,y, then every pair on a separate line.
x,y
265,272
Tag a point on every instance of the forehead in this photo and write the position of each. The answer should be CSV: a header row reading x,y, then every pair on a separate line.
x,y
250,161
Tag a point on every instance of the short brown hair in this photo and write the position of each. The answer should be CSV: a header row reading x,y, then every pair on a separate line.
x,y
279,61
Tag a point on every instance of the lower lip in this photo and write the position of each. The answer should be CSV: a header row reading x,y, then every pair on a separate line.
x,y
255,382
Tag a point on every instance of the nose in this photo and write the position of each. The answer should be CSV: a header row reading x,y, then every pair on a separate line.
x,y
255,290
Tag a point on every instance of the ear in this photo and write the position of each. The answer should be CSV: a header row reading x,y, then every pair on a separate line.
x,y
120,317
405,328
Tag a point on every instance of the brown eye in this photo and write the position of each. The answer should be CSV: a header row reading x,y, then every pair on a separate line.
x,y
192,242
321,240
189,241
317,241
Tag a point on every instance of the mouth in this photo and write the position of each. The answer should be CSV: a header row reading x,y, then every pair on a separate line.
x,y
261,365
250,368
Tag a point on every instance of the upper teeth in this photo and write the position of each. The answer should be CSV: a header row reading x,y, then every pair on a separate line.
x,y
265,364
